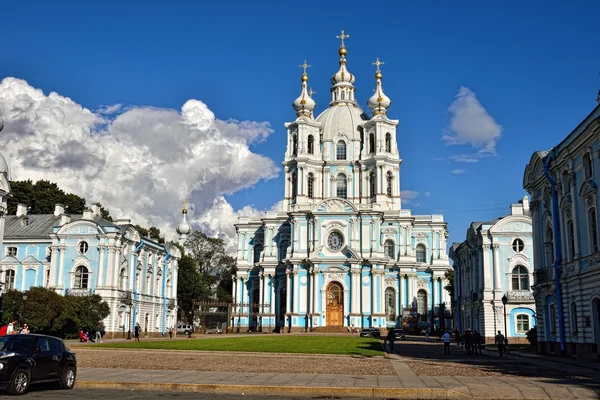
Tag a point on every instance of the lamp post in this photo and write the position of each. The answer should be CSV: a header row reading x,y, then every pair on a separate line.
x,y
130,319
504,301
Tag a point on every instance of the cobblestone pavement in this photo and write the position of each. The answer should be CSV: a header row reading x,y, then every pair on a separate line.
x,y
231,362
427,358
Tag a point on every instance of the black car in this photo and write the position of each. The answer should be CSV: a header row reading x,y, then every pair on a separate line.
x,y
29,359
370,332
399,333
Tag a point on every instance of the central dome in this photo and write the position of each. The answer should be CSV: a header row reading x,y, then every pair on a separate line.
x,y
342,118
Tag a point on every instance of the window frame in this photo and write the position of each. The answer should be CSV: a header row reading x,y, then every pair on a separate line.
x,y
388,142
371,143
421,249
588,166
515,245
310,185
387,246
311,144
390,304
9,279
341,150
9,251
83,244
593,229
520,320
341,186
373,185
389,179
520,275
81,279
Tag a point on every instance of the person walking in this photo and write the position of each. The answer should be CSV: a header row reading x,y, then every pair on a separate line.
x,y
477,341
98,337
136,331
500,342
171,333
446,337
390,338
468,339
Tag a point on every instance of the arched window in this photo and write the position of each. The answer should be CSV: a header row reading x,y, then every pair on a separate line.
x,y
587,166
343,95
373,185
294,185
549,247
389,180
149,281
340,151
123,279
311,144
422,303
571,238
81,278
520,278
574,327
341,186
522,323
9,279
389,248
294,145
565,183
552,319
593,224
388,142
257,250
157,284
371,143
421,253
390,304
310,185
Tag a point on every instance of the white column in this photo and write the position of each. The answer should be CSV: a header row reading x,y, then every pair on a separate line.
x,y
261,292
272,297
54,266
288,290
175,269
242,297
110,267
412,279
117,267
235,294
382,292
354,288
485,268
61,266
497,283
296,299
101,267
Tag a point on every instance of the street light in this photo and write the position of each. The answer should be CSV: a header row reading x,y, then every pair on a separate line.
x,y
130,319
23,309
504,301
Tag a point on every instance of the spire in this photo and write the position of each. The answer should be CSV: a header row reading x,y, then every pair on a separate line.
x,y
304,104
379,102
343,89
183,229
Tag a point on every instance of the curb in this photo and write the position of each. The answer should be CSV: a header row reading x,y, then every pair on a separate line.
x,y
334,392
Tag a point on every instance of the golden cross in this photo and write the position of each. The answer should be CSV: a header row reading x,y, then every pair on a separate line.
x,y
311,92
378,63
305,65
342,36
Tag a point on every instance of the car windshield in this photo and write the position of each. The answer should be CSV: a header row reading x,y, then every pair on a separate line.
x,y
16,343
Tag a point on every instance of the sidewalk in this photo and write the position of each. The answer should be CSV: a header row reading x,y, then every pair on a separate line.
x,y
405,384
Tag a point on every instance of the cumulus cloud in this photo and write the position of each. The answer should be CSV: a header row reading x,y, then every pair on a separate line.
x,y
140,162
427,194
408,197
459,171
471,124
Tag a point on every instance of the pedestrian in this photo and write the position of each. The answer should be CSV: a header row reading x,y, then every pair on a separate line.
x,y
102,330
477,341
468,339
446,337
458,336
500,342
171,333
11,328
136,331
24,329
427,335
98,334
390,338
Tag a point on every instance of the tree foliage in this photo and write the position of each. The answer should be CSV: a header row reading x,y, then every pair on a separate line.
x,y
210,254
47,312
152,233
42,196
450,286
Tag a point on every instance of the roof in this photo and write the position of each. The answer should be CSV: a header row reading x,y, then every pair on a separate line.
x,y
41,225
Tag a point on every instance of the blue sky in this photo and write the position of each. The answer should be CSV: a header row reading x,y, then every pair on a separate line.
x,y
533,66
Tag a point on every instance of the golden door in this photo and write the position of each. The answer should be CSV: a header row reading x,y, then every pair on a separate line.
x,y
335,304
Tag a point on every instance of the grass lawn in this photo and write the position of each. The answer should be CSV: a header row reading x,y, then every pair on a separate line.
x,y
269,344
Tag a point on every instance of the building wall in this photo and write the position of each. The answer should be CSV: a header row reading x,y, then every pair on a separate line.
x,y
573,202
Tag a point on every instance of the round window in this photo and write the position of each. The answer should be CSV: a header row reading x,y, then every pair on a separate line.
x,y
518,245
83,247
335,240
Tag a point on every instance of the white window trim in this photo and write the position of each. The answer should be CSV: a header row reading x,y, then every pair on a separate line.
x,y
521,332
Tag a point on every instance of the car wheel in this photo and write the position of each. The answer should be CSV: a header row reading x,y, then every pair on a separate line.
x,y
68,378
19,384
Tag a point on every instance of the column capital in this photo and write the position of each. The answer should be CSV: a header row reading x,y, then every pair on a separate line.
x,y
495,246
485,247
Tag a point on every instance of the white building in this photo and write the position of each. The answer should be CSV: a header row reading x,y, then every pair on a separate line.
x,y
496,261
563,183
343,252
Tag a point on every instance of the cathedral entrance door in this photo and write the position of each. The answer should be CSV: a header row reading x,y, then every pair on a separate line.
x,y
335,304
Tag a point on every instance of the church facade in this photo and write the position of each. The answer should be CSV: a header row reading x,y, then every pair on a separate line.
x,y
343,252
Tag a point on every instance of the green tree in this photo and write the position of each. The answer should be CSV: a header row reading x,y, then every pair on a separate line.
x,y
141,230
154,232
190,287
42,197
209,253
104,213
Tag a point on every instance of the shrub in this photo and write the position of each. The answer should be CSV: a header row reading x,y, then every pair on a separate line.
x,y
532,336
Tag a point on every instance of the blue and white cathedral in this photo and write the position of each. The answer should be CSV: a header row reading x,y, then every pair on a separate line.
x,y
342,252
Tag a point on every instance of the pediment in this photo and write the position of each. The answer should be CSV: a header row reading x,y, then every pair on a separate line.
x,y
30,260
335,206
10,260
589,187
80,228
515,223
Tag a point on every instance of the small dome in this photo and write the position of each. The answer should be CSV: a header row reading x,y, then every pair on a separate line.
x,y
342,118
183,228
379,102
304,104
343,76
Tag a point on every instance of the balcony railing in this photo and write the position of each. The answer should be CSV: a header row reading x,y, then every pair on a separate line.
x,y
125,295
544,275
518,296
79,292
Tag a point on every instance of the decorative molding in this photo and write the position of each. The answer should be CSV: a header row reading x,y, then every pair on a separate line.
x,y
420,235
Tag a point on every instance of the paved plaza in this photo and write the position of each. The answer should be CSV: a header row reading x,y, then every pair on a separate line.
x,y
418,370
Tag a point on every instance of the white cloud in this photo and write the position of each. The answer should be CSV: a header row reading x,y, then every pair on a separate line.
x,y
139,163
459,171
427,194
470,124
408,197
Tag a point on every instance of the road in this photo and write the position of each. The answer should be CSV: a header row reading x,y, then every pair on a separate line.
x,y
45,393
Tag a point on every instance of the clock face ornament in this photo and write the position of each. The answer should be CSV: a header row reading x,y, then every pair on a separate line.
x,y
335,241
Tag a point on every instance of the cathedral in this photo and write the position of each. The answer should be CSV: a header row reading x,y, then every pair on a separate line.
x,y
343,252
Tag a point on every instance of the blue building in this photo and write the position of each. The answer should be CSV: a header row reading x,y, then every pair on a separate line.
x,y
495,262
563,183
343,252
85,254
